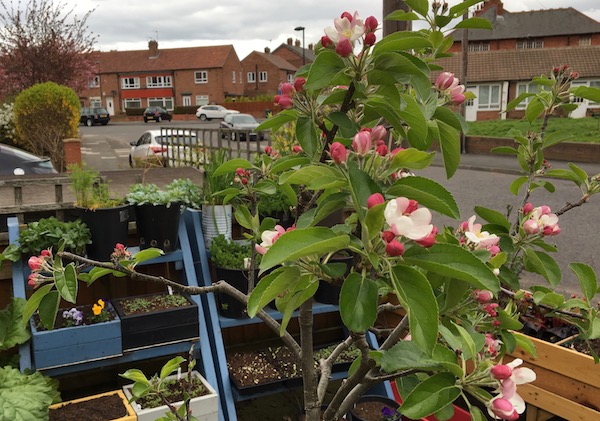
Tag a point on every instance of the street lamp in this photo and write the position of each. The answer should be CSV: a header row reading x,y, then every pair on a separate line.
x,y
301,28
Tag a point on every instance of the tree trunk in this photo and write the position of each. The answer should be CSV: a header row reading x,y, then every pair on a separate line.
x,y
391,26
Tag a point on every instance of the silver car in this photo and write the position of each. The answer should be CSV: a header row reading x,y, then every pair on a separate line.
x,y
208,112
172,148
240,126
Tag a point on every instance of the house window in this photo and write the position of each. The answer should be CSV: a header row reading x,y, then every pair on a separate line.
x,y
130,83
201,76
166,103
201,100
187,100
290,78
233,76
479,46
158,82
95,101
529,44
531,88
262,77
95,82
585,41
489,97
251,77
132,103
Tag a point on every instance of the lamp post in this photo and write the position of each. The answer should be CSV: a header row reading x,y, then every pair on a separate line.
x,y
301,28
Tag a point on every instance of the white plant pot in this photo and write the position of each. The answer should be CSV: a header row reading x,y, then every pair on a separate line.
x,y
216,220
204,408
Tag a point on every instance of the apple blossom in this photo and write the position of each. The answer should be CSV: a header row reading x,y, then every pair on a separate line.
x,y
375,199
394,248
287,89
387,236
527,208
347,27
338,152
370,39
378,133
541,220
501,371
457,94
502,408
46,253
344,47
477,239
284,101
371,24
326,41
299,84
483,296
35,262
297,149
444,81
361,143
404,219
381,148
430,239
269,237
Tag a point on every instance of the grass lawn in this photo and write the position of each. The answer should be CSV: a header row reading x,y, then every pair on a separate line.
x,y
583,129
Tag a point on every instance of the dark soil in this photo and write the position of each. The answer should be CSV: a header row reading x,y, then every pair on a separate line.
x,y
173,392
100,409
251,368
372,411
61,322
581,346
302,417
152,303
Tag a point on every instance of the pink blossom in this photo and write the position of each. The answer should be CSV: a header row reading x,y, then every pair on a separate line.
x,y
531,227
501,371
344,47
502,408
457,94
338,152
284,101
381,149
370,39
394,248
45,253
326,41
477,239
508,391
444,81
371,24
541,219
388,236
375,199
297,149
362,142
491,309
404,220
429,240
287,89
492,345
35,262
32,280
346,27
299,84
269,237
483,296
378,133
527,208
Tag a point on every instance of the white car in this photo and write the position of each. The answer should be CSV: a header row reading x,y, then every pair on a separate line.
x,y
207,112
166,148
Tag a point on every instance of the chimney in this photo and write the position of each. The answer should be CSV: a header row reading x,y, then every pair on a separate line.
x,y
153,47
489,4
311,47
289,41
267,50
297,43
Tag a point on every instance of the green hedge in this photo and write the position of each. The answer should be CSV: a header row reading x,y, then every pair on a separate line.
x,y
134,111
188,109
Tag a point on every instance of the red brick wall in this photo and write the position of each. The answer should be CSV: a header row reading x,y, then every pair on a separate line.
x,y
256,62
290,56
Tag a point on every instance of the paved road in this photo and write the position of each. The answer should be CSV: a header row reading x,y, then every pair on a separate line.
x,y
481,180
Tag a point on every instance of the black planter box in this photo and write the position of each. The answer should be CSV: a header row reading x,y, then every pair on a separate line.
x,y
157,327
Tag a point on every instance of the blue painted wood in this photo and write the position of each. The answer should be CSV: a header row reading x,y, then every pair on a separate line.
x,y
75,344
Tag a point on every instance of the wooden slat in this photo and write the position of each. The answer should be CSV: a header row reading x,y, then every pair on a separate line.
x,y
556,404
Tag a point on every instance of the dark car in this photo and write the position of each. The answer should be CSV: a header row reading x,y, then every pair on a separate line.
x,y
157,114
94,115
14,161
239,126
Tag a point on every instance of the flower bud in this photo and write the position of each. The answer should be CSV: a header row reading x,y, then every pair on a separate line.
x,y
326,41
483,296
362,142
394,248
531,227
35,263
244,180
388,236
297,149
501,371
344,47
378,133
347,15
444,81
299,84
375,199
370,39
240,171
371,24
381,150
429,240
338,152
456,94
496,323
268,150
45,253
545,210
502,408
287,89
527,208
284,101
32,280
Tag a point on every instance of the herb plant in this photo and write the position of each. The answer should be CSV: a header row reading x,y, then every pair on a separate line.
x,y
229,254
91,192
48,232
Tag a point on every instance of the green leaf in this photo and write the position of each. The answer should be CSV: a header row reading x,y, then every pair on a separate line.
x,y
374,220
34,302
450,146
278,120
243,217
48,309
453,261
515,186
361,185
467,343
25,397
589,93
492,216
406,355
542,264
415,294
287,162
554,138
474,23
271,286
476,414
430,396
411,158
358,302
462,7
301,243
347,127
170,366
587,279
401,15
229,166
428,193
508,150
136,376
419,6
413,115
307,135
534,109
326,67
564,175
578,171
12,331
147,254
525,343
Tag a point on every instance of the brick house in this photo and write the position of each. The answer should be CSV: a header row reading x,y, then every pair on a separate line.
x,y
265,72
168,78
292,52
502,62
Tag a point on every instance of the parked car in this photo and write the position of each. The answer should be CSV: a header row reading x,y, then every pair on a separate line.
x,y
15,161
157,114
94,115
208,112
166,148
238,126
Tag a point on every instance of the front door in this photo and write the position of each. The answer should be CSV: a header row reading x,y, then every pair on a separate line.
x,y
471,105
110,105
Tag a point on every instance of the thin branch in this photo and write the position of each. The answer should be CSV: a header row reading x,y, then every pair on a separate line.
x,y
326,366
570,206
511,294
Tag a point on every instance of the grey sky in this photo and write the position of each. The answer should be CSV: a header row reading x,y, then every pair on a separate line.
x,y
247,24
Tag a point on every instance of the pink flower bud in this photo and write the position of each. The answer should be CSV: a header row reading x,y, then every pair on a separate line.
x,y
545,210
483,296
268,150
32,280
531,227
396,150
362,142
378,133
296,149
338,152
503,409
457,95
496,323
370,39
287,89
388,236
381,150
501,371
371,24
45,253
344,47
347,15
284,101
494,250
375,199
299,84
35,263
429,240
412,206
444,81
394,248
491,309
244,180
527,208
240,171
326,41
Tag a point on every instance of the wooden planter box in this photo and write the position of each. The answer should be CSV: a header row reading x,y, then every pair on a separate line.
x,y
130,412
568,382
76,344
204,408
158,327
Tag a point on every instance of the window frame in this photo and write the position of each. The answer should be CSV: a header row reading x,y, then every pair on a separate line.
x,y
129,100
200,100
263,76
95,82
164,81
251,77
529,44
130,82
165,102
201,76
489,106
528,86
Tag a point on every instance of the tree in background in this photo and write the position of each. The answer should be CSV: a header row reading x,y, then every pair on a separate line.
x,y
44,115
43,42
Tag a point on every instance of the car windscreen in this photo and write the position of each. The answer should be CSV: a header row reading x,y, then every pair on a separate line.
x,y
178,140
243,119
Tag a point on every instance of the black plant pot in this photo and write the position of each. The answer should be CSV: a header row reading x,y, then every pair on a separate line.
x,y
158,226
237,278
328,293
108,226
380,402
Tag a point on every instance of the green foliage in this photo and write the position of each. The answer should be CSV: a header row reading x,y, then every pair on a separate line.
x,y
229,254
26,397
147,304
188,192
214,183
48,232
91,192
12,331
44,115
184,109
131,112
180,191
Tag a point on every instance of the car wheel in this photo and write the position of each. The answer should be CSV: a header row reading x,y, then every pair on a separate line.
x,y
145,120
203,117
158,119
89,122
